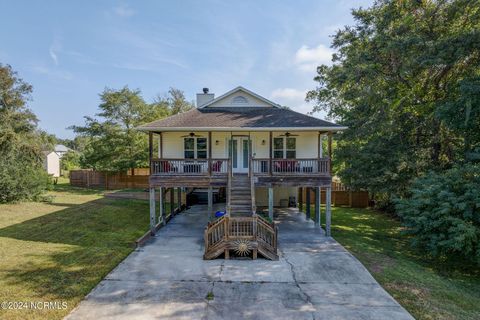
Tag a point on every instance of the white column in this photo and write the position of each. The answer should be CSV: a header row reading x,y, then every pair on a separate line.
x,y
328,219
152,211
270,203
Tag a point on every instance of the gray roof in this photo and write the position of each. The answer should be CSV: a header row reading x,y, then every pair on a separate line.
x,y
238,118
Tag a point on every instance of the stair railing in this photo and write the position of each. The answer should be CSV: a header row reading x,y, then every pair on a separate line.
x,y
252,186
229,187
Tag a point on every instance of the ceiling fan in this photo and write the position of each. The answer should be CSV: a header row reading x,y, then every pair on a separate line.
x,y
191,135
288,134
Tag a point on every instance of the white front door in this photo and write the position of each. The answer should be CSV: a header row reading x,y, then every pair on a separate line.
x,y
239,152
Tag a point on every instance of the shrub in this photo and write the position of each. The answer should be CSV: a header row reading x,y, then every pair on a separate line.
x,y
21,180
443,212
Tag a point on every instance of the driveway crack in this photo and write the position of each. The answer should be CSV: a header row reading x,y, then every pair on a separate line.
x,y
305,295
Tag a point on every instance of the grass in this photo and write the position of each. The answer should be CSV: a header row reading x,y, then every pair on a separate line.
x,y
59,251
427,288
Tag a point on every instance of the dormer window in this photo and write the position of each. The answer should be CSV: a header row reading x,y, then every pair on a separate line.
x,y
240,100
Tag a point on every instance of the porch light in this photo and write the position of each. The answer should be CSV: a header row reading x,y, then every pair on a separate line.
x,y
263,142
217,142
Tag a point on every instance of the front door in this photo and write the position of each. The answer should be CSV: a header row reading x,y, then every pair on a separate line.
x,y
239,153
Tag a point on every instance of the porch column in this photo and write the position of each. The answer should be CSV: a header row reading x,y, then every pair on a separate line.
x,y
172,202
270,202
210,202
300,198
328,219
162,217
317,206
270,169
307,204
330,151
150,150
209,153
152,211
179,196
160,145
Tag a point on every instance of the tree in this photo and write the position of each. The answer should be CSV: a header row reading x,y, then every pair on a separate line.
x,y
21,143
405,82
112,142
445,217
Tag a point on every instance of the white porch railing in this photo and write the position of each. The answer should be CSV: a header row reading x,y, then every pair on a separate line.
x,y
294,167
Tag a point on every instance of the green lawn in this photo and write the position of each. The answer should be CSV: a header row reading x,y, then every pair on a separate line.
x,y
59,251
428,289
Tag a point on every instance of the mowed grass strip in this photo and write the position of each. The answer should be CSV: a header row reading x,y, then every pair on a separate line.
x,y
428,288
59,251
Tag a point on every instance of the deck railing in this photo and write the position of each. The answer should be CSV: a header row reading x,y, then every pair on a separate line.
x,y
222,233
189,166
314,166
258,167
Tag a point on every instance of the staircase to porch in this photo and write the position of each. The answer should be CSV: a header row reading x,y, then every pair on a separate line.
x,y
244,236
240,196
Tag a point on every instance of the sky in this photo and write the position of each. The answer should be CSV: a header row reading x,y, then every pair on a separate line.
x,y
70,51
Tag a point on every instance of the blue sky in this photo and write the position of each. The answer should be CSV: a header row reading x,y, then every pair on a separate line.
x,y
71,50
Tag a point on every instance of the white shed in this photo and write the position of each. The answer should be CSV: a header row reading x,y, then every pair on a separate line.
x,y
52,159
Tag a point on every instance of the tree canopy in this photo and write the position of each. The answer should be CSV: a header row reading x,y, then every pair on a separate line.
x,y
111,141
21,142
405,79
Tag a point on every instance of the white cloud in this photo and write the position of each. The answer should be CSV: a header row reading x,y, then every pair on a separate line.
x,y
292,98
289,94
123,10
307,59
54,49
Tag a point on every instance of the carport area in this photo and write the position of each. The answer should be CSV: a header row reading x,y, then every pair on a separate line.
x,y
315,278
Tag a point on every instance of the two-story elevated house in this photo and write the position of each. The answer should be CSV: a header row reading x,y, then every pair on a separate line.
x,y
255,151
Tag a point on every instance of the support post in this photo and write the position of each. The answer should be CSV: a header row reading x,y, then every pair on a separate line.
x,y
152,211
270,169
307,204
172,202
179,196
330,152
162,216
210,202
300,198
270,203
209,153
150,150
160,143
328,219
317,206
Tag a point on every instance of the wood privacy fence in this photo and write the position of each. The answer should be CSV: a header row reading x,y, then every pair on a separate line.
x,y
340,197
107,180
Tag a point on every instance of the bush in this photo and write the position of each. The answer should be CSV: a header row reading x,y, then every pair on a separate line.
x,y
443,212
21,180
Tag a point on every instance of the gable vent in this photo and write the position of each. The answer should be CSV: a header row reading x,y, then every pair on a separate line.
x,y
239,100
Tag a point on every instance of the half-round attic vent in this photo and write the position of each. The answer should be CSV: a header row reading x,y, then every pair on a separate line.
x,y
240,100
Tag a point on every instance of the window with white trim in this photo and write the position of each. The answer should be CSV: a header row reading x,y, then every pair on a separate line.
x,y
284,148
195,148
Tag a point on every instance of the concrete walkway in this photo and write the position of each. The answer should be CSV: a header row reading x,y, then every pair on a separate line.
x,y
315,278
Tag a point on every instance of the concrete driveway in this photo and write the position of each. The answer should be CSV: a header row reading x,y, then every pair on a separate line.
x,y
315,278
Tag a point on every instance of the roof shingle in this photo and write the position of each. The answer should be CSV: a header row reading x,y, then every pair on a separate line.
x,y
239,117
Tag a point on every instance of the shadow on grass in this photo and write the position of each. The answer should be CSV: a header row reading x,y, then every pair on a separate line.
x,y
67,252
